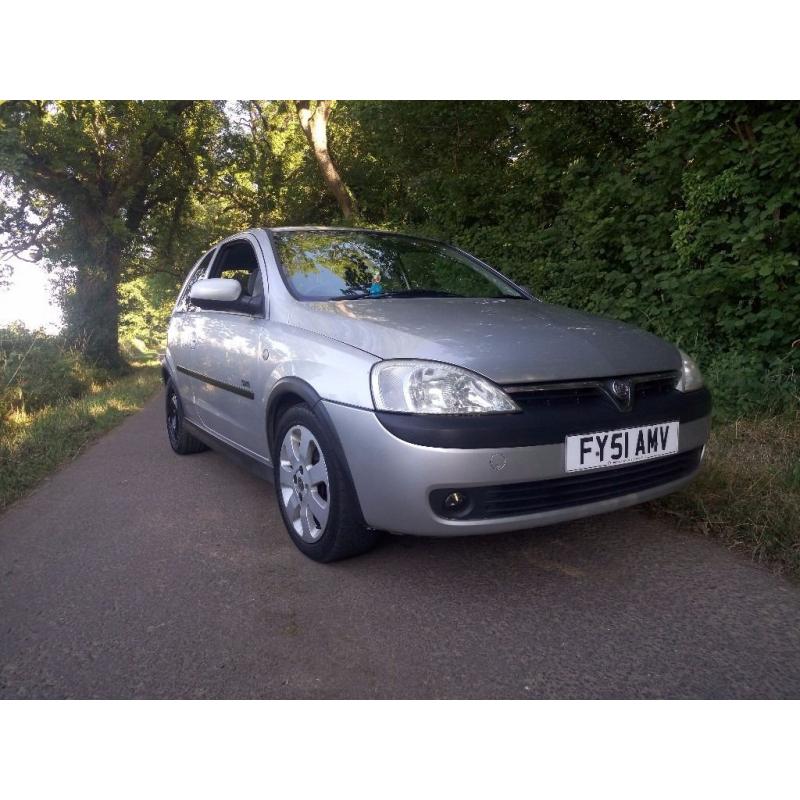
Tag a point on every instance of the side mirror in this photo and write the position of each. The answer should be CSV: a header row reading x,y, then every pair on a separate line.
x,y
215,290
223,294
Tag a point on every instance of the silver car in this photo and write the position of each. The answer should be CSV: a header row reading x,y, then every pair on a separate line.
x,y
386,382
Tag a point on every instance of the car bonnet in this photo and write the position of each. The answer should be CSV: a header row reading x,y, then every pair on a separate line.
x,y
507,340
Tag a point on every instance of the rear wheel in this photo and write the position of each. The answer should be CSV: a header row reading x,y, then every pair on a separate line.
x,y
316,496
180,439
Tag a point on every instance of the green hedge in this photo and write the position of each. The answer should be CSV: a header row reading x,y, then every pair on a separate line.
x,y
37,370
682,218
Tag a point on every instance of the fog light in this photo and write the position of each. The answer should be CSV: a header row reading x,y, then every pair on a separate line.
x,y
455,501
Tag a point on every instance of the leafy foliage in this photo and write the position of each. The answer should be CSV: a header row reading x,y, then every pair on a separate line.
x,y
93,183
681,217
145,306
38,370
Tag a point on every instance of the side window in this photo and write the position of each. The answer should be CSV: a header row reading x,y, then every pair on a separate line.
x,y
237,260
195,275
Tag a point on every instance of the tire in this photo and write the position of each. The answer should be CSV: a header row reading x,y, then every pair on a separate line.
x,y
182,442
318,503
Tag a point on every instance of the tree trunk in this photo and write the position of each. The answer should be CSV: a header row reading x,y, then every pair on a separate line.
x,y
315,126
91,310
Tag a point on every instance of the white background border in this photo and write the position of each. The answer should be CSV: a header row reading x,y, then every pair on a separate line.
x,y
399,749
573,49
384,749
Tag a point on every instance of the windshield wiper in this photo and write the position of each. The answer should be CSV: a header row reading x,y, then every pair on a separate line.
x,y
398,293
418,293
339,298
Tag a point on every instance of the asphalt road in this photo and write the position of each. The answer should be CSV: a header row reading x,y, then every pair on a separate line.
x,y
133,572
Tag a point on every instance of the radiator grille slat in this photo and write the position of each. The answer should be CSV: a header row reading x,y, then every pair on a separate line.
x,y
589,393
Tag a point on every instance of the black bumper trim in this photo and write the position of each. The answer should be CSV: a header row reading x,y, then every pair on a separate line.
x,y
540,424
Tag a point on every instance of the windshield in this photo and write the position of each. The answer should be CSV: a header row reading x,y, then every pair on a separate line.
x,y
339,265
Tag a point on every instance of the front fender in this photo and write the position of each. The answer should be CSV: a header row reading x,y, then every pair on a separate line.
x,y
336,371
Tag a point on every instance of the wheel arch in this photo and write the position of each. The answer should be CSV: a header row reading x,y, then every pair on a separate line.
x,y
291,391
288,392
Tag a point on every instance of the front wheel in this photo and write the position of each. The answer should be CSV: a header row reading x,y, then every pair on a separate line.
x,y
316,497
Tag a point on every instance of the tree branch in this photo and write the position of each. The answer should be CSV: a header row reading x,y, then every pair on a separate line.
x,y
314,124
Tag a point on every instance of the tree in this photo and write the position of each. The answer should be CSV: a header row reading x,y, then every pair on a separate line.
x,y
266,176
85,175
314,123
682,217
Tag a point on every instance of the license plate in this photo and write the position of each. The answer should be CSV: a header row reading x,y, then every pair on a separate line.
x,y
607,448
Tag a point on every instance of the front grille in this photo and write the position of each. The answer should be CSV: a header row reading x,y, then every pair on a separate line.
x,y
652,387
589,393
515,499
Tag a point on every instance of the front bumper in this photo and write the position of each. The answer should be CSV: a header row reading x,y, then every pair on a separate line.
x,y
394,478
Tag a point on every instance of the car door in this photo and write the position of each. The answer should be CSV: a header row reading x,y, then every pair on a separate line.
x,y
229,353
182,337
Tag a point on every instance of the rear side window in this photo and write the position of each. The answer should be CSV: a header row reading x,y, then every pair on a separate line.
x,y
196,274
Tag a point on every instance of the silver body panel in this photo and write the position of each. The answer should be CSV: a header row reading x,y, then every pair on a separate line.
x,y
331,346
232,347
229,347
508,341
393,478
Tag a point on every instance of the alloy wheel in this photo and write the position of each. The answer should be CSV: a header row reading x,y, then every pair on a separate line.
x,y
304,483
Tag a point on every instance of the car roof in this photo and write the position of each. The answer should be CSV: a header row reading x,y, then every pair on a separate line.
x,y
328,229
345,229
342,228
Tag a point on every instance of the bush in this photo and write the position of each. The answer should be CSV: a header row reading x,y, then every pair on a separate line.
x,y
744,384
37,370
682,218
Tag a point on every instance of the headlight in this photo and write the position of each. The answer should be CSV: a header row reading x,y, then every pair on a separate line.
x,y
428,387
691,378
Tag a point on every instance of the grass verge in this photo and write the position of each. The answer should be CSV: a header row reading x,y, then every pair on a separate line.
x,y
33,444
748,492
